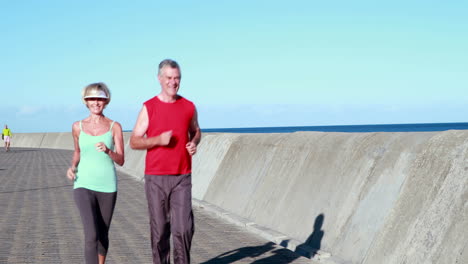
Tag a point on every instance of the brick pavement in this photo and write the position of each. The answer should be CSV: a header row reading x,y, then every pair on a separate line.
x,y
40,224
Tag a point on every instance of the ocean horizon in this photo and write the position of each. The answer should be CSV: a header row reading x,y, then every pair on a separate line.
x,y
416,127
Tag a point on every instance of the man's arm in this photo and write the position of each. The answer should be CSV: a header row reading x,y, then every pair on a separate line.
x,y
138,139
195,132
194,135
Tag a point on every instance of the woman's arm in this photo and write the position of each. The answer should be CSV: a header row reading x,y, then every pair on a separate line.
x,y
71,172
118,154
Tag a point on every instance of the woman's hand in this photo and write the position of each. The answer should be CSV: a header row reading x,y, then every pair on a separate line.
x,y
71,173
101,147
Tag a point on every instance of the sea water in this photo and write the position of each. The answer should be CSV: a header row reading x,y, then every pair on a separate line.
x,y
427,127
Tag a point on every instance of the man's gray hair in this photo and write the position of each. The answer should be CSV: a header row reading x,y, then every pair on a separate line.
x,y
168,63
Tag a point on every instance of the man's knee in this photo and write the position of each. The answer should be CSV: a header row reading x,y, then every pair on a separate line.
x,y
183,228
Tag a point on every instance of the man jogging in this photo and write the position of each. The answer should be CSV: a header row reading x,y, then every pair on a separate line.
x,y
167,127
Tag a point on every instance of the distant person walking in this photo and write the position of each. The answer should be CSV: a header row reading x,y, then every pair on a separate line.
x,y
6,136
98,144
170,124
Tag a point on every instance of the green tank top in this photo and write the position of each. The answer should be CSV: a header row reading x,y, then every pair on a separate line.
x,y
96,170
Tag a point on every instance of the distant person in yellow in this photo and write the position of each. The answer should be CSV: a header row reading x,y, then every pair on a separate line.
x,y
6,135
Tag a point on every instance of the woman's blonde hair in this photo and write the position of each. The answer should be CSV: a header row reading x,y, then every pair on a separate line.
x,y
95,90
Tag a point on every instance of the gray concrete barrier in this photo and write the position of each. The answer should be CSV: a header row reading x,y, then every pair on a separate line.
x,y
27,140
350,197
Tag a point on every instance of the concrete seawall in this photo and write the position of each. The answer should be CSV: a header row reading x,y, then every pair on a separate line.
x,y
363,197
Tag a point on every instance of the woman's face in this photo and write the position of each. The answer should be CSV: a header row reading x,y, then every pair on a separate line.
x,y
96,105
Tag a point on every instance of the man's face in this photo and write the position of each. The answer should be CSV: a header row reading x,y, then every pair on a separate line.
x,y
169,80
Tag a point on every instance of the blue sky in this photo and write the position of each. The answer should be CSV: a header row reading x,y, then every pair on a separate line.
x,y
244,63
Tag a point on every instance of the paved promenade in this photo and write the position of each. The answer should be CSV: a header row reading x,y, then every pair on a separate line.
x,y
39,222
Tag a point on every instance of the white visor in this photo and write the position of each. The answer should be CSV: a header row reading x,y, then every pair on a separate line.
x,y
96,94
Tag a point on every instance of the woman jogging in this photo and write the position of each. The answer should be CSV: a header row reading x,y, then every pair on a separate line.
x,y
98,144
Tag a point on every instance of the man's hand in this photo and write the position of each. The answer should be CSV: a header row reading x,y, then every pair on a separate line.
x,y
191,148
165,138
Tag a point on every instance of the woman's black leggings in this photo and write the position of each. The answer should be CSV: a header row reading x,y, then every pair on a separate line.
x,y
96,209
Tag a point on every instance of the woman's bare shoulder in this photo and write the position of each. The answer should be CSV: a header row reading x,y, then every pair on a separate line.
x,y
76,125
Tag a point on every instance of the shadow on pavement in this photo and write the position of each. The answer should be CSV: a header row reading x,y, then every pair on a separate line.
x,y
17,150
240,253
39,189
277,255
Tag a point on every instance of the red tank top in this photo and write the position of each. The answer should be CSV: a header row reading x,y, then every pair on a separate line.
x,y
174,158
